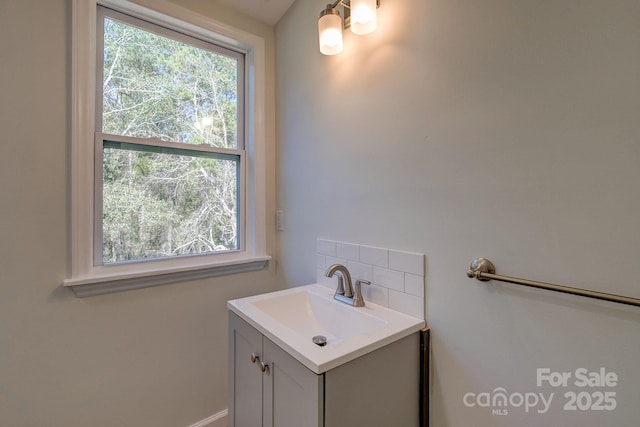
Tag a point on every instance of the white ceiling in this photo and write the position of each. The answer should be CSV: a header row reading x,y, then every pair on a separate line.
x,y
268,11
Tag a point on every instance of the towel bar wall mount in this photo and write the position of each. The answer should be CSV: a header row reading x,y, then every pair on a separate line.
x,y
484,270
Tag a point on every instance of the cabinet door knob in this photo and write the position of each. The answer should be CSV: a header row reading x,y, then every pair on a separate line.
x,y
254,357
263,366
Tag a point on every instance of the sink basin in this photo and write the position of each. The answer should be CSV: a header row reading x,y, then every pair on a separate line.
x,y
310,313
291,318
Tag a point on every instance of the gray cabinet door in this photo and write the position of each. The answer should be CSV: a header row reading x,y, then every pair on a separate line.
x,y
245,377
292,394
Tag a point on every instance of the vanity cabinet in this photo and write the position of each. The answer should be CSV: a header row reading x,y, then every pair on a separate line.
x,y
270,388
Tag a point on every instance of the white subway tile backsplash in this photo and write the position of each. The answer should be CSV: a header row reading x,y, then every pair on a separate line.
x,y
388,278
376,294
326,247
414,284
407,261
374,256
397,277
406,303
360,271
348,251
329,261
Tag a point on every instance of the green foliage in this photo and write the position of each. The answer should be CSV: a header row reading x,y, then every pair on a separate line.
x,y
165,204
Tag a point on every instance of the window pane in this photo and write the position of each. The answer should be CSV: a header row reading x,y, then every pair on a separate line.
x,y
160,202
158,87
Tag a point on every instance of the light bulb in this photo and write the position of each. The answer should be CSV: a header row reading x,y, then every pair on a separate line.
x,y
330,31
363,16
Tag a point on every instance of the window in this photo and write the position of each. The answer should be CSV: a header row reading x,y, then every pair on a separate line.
x,y
167,153
169,143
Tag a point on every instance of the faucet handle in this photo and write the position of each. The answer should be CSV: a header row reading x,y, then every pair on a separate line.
x,y
358,301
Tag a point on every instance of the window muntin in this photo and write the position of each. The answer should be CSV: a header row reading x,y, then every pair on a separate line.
x,y
169,143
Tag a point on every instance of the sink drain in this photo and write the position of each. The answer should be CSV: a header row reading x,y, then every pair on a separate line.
x,y
319,340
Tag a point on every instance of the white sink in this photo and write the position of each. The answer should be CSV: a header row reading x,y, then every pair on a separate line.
x,y
291,318
308,312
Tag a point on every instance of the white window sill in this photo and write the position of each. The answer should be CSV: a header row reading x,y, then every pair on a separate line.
x,y
118,282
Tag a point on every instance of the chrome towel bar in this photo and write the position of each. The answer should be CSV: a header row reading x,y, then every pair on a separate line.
x,y
483,269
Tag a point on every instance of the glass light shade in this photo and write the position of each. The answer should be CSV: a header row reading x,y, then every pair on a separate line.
x,y
330,33
363,16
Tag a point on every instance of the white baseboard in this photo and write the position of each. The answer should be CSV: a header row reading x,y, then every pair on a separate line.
x,y
215,420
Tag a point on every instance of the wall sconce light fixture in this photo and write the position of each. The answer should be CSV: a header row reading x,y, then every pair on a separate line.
x,y
360,16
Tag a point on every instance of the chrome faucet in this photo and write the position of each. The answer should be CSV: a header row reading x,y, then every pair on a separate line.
x,y
344,292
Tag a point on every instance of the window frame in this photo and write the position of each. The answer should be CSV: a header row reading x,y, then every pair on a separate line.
x,y
89,279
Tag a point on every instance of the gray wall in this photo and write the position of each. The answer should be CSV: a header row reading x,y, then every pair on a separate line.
x,y
508,129
152,357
